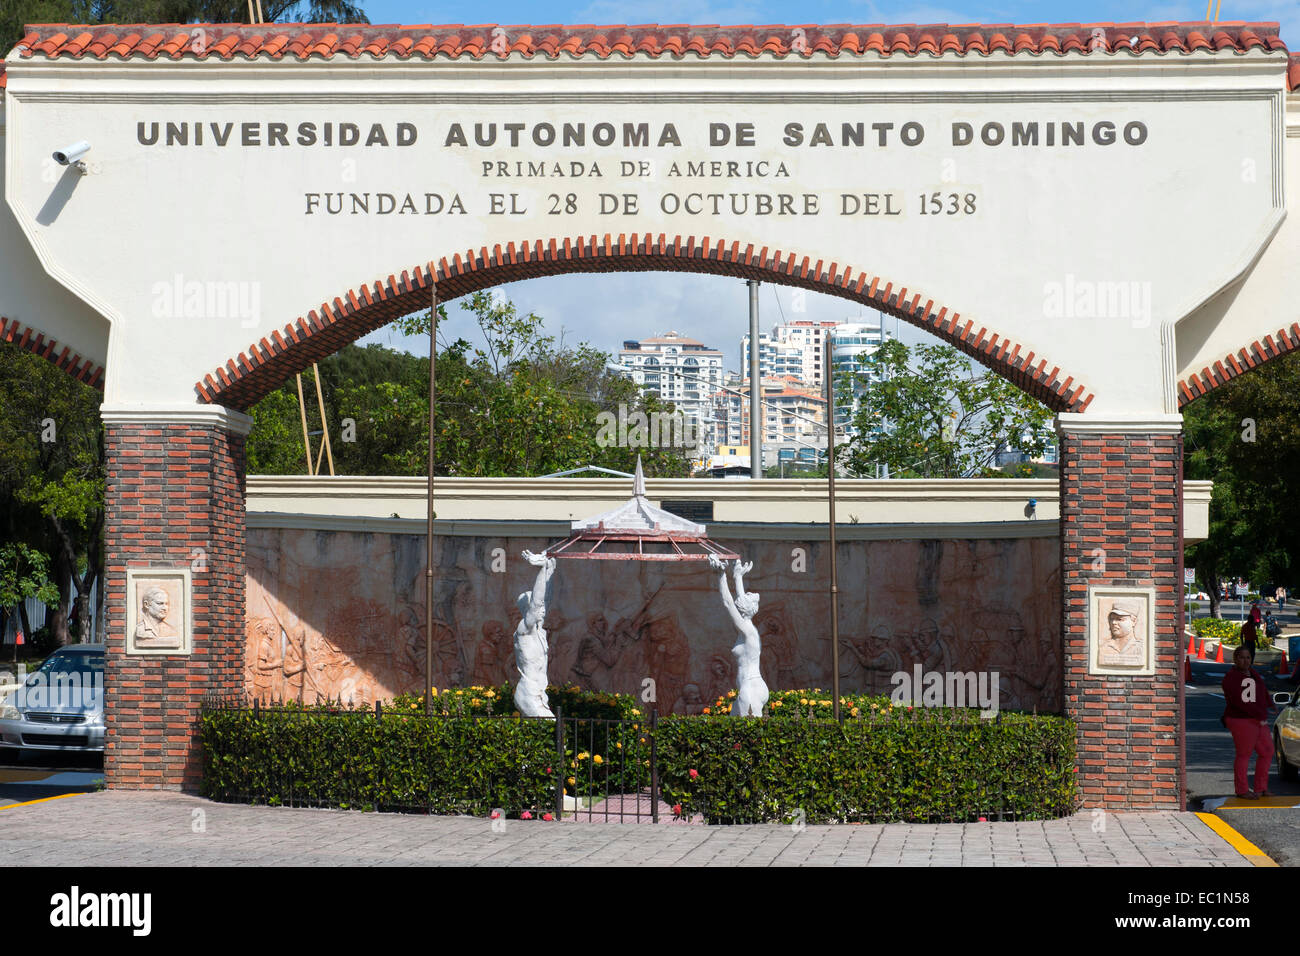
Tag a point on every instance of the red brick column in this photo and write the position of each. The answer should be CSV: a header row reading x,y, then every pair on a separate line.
x,y
1121,526
174,499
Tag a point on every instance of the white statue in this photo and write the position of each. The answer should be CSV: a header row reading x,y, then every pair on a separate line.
x,y
751,692
530,641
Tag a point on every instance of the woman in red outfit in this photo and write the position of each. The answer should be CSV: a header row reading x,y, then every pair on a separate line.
x,y
1246,716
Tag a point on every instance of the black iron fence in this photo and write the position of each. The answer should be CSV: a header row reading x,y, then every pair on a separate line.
x,y
923,766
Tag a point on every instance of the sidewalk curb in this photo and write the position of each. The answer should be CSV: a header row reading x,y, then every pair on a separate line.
x,y
1235,840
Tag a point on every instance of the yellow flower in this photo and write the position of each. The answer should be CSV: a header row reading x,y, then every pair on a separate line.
x,y
824,703
584,755
619,746
490,694
433,691
572,781
776,703
854,712
413,706
635,712
474,701
803,700
731,693
597,760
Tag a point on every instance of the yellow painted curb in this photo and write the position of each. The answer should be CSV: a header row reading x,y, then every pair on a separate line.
x,y
1236,840
28,803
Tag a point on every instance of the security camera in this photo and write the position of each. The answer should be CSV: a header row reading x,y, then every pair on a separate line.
x,y
71,154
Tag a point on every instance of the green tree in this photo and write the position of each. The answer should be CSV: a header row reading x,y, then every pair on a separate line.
x,y
516,404
24,573
15,14
52,476
1245,437
932,415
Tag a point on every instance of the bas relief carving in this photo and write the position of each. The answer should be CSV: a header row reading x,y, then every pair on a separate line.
x,y
342,614
158,611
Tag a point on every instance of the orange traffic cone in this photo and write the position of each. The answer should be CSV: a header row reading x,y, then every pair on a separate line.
x,y
1200,654
1218,658
1281,665
1191,646
1187,670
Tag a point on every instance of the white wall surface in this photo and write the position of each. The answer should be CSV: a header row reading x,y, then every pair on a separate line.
x,y
1171,218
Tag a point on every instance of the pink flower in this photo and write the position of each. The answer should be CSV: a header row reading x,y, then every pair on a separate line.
x,y
984,819
694,773
677,809
525,815
496,814
735,746
547,817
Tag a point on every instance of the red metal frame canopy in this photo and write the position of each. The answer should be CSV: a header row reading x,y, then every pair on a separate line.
x,y
638,531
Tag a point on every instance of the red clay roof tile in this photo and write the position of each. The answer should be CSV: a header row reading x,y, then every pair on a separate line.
x,y
226,41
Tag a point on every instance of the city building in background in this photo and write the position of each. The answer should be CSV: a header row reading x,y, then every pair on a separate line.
x,y
680,370
852,346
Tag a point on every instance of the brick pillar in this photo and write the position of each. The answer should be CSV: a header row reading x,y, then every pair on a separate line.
x,y
1121,527
174,500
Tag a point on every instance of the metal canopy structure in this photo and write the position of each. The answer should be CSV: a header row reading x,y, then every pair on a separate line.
x,y
638,531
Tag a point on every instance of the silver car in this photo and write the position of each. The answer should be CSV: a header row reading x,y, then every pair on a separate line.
x,y
59,706
1286,734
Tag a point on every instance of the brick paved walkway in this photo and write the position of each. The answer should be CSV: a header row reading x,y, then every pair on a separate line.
x,y
123,828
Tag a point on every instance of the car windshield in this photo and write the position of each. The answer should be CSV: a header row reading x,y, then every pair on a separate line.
x,y
84,663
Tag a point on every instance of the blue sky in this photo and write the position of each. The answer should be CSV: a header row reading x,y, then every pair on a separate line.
x,y
714,309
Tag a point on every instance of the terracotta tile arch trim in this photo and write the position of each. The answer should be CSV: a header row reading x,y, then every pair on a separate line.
x,y
35,342
253,373
303,41
1252,356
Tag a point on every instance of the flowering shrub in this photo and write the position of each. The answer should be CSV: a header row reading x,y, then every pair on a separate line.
x,y
881,763
498,701
1227,633
897,765
335,757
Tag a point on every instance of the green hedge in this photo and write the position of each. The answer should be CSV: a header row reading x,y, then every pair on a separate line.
x,y
901,765
1227,633
886,764
499,701
337,758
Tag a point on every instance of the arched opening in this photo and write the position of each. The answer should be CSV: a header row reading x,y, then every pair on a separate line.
x,y
264,365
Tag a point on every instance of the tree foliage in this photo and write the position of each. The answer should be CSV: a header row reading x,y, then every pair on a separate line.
x,y
15,14
516,404
52,475
932,415
1245,437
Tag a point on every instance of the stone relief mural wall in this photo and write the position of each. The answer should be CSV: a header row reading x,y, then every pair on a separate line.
x,y
334,613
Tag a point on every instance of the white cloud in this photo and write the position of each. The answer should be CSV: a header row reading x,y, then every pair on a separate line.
x,y
603,309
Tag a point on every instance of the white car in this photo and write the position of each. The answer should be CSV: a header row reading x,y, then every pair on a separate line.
x,y
60,706
1286,733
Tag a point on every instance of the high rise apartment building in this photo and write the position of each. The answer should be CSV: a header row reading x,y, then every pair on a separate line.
x,y
680,370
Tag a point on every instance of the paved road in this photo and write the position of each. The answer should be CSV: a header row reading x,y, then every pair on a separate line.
x,y
123,828
1276,831
160,828
37,776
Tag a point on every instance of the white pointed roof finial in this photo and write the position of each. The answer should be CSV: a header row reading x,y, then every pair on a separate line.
x,y
638,480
